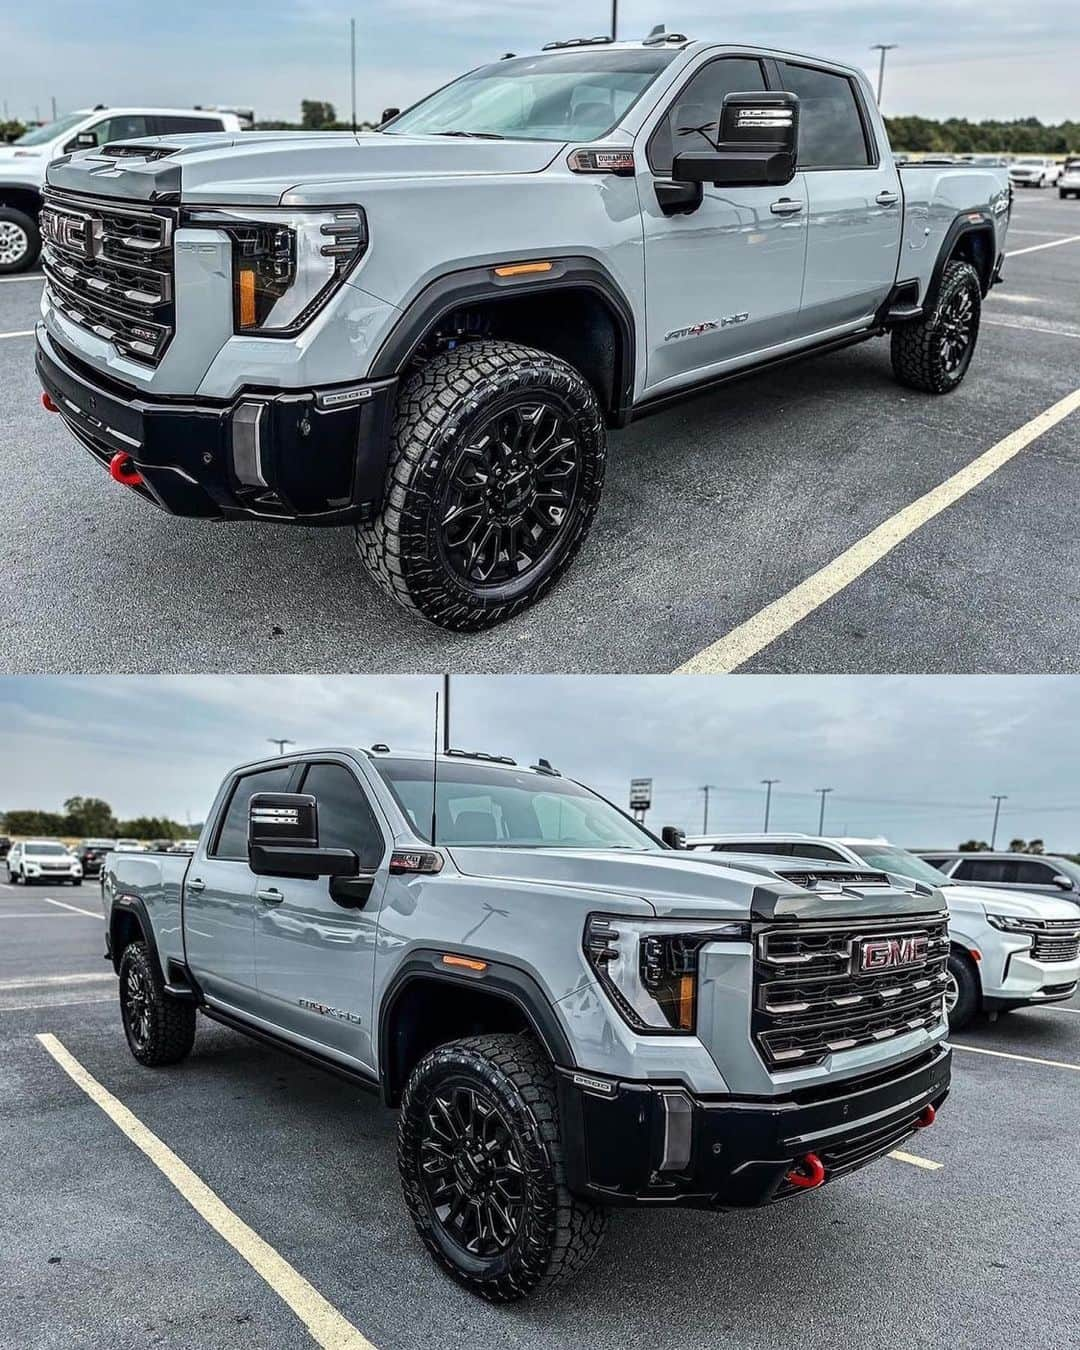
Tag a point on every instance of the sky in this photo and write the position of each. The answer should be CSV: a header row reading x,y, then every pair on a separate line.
x,y
913,757
968,58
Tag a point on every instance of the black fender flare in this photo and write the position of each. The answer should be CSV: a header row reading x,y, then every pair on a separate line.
x,y
479,283
967,222
498,978
126,903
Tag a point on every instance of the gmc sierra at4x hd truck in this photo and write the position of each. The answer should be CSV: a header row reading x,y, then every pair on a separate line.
x,y
568,1013
425,332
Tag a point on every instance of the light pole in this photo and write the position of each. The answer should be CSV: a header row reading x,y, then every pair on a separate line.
x,y
882,47
823,793
768,798
352,67
614,19
709,787
280,742
997,799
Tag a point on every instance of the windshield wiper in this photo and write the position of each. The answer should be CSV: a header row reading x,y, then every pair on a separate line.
x,y
475,135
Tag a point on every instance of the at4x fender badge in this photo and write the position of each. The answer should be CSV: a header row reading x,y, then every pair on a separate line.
x,y
709,326
594,1084
343,1014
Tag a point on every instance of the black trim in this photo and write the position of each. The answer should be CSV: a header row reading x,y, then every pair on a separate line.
x,y
477,285
673,98
961,226
126,903
364,1080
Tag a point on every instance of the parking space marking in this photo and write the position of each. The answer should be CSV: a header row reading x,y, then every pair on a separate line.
x,y
1031,328
1053,243
88,977
1027,1059
915,1160
772,622
26,332
328,1327
55,1003
90,914
36,916
34,276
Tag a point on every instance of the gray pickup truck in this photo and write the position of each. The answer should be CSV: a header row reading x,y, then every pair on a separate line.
x,y
569,1013
426,332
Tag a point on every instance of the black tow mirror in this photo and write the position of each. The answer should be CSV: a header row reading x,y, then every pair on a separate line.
x,y
283,839
673,836
387,114
756,146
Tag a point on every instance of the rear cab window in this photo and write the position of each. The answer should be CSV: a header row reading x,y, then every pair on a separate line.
x,y
834,132
230,840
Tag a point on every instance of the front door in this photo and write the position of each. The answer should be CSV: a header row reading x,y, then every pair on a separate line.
x,y
314,957
723,283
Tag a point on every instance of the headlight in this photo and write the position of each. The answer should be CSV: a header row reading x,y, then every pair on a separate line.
x,y
287,263
1008,924
649,967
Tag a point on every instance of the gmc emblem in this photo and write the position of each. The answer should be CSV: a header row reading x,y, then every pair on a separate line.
x,y
887,953
69,231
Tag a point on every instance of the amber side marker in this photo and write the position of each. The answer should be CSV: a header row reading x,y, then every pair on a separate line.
x,y
522,269
247,298
464,961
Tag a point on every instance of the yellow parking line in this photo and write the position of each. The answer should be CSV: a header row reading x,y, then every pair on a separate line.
x,y
90,913
1027,1059
1034,248
327,1326
760,631
915,1160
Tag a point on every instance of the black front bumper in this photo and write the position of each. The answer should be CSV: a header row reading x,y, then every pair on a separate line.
x,y
320,457
738,1152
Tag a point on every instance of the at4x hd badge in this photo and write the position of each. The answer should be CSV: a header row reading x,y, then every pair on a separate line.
x,y
709,326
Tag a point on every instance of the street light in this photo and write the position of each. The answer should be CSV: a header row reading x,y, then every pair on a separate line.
x,y
882,47
997,799
823,793
708,787
768,798
280,742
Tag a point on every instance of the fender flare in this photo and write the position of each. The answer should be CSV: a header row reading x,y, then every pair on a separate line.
x,y
967,222
125,903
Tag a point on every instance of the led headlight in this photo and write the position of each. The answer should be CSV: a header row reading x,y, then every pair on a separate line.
x,y
649,967
286,263
1008,924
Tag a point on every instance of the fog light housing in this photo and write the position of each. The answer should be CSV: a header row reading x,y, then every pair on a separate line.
x,y
247,444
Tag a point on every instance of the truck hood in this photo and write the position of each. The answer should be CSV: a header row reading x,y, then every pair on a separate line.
x,y
685,884
261,168
1015,906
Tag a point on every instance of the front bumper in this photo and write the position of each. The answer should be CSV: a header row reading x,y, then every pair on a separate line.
x,y
315,457
621,1138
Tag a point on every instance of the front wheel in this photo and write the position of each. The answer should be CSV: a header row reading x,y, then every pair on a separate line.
x,y
933,354
20,242
481,1162
961,992
160,1029
495,474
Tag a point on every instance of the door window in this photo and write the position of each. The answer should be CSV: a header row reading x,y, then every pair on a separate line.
x,y
176,126
125,127
1032,873
693,120
345,818
980,869
816,851
772,850
233,835
831,131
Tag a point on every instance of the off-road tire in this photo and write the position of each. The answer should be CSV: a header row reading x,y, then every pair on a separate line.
x,y
968,1000
438,405
28,225
171,1021
559,1233
917,357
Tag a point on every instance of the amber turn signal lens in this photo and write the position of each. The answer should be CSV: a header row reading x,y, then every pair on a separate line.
x,y
521,269
686,1002
465,962
247,298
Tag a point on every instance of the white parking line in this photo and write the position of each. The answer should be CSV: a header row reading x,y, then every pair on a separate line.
x,y
1034,248
35,916
327,1326
1031,328
772,622
82,977
1027,1059
26,332
915,1160
90,914
55,1003
34,276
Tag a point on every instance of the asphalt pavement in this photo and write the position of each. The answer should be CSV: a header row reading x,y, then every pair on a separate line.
x,y
712,511
98,1250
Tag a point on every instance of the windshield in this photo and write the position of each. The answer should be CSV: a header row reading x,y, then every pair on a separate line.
x,y
899,860
46,851
507,807
561,96
51,130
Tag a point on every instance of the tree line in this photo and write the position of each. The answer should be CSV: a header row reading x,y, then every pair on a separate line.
x,y
92,818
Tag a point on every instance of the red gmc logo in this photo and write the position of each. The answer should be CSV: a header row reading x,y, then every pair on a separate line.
x,y
887,953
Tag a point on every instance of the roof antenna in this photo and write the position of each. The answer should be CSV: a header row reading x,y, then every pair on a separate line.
x,y
435,772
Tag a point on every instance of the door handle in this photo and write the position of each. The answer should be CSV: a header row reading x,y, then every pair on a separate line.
x,y
195,884
270,897
786,206
887,198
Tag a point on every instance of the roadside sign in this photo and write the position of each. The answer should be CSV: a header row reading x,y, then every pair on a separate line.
x,y
640,794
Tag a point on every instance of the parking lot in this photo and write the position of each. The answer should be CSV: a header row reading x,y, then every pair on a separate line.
x,y
712,512
969,1243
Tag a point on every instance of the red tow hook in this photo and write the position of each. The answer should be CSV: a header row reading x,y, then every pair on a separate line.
x,y
122,469
808,1173
926,1117
47,403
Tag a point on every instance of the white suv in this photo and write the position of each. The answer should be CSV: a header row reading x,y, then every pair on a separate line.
x,y
43,860
1040,172
1069,182
1007,950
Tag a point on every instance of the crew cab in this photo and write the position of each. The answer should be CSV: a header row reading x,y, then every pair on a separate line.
x,y
1007,949
23,163
33,860
569,1014
425,332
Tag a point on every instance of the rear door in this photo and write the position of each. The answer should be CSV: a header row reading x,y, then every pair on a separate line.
x,y
314,957
855,206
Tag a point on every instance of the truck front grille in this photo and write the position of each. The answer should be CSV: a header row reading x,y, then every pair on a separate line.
x,y
821,988
109,269
1056,940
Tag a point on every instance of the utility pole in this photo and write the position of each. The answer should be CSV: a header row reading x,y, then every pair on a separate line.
x,y
768,798
997,799
708,787
614,19
352,61
882,47
823,793
280,742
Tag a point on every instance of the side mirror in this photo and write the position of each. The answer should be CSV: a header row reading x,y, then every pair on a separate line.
x,y
756,146
387,113
1063,881
86,140
283,839
673,836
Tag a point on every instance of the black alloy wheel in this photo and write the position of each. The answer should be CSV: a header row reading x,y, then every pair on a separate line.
x,y
159,1027
933,353
957,327
135,1006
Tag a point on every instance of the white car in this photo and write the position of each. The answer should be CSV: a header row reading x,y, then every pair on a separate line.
x,y
23,164
43,860
1036,172
1007,950
1069,182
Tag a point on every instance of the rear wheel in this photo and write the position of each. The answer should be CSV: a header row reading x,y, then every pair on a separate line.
x,y
20,242
481,1164
961,992
160,1029
933,354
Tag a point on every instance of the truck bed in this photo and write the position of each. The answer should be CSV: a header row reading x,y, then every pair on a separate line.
x,y
157,881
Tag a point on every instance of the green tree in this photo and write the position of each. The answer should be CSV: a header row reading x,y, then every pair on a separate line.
x,y
316,115
974,846
90,817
